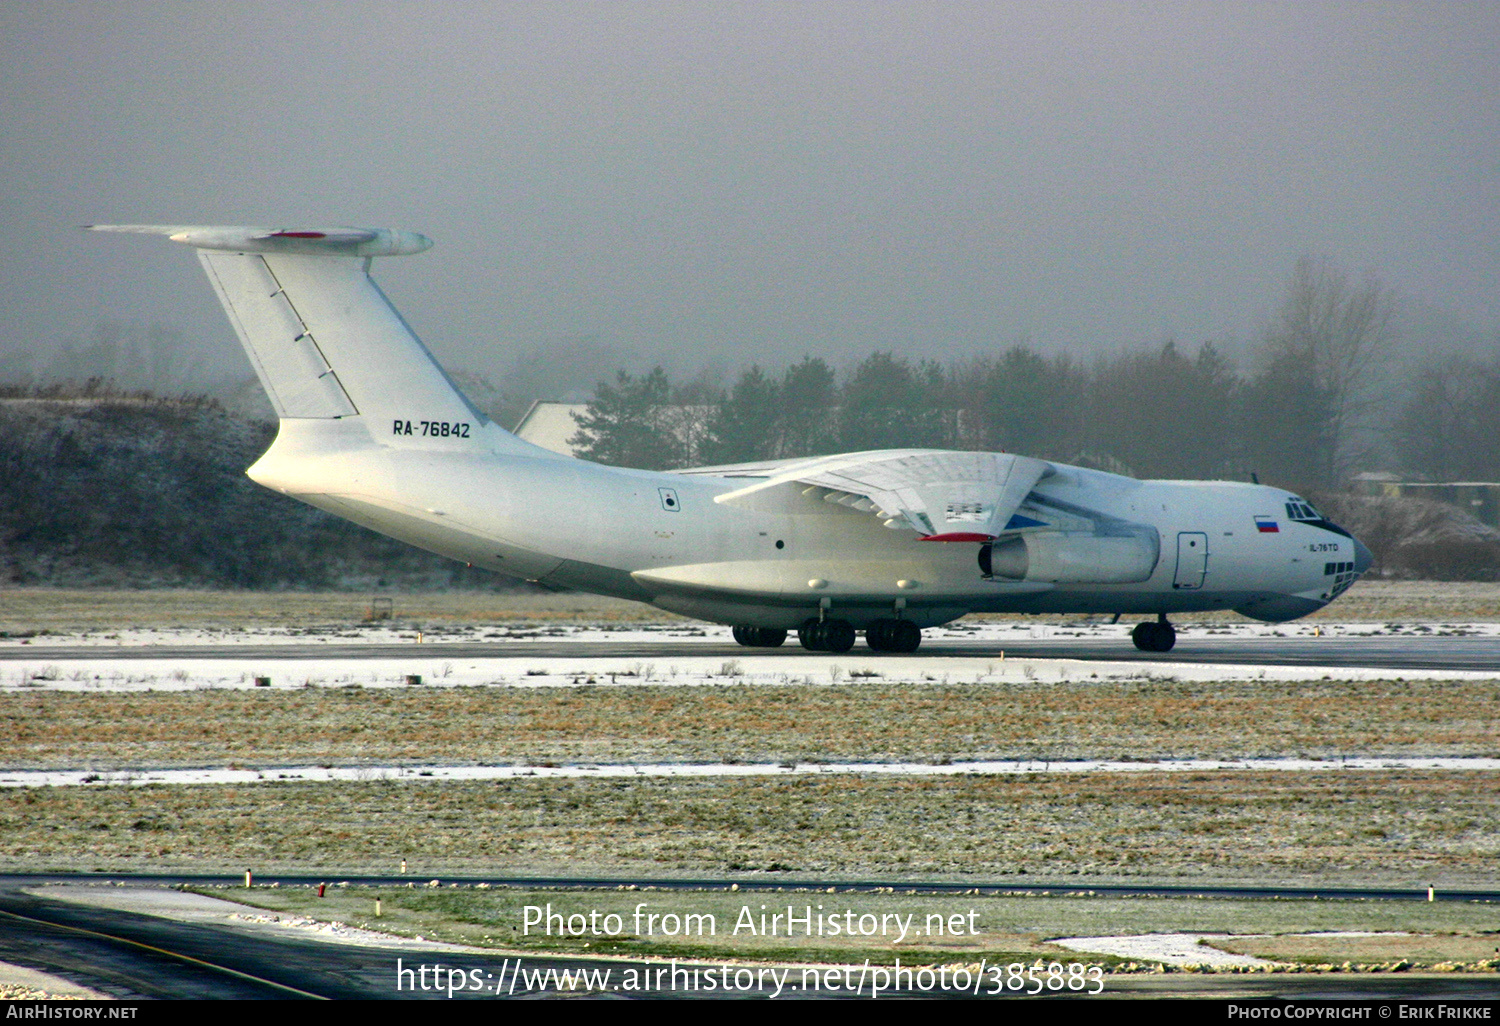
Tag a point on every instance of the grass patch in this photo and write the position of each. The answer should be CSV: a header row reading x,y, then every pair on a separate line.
x,y
691,924
1478,944
1410,826
998,928
894,720
70,609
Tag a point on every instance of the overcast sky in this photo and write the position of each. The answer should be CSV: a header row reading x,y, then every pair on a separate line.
x,y
737,182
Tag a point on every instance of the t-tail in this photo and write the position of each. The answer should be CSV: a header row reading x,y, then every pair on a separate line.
x,y
338,363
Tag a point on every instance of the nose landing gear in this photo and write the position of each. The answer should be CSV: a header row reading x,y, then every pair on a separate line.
x,y
1157,636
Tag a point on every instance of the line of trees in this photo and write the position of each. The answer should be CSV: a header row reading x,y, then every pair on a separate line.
x,y
1314,407
105,488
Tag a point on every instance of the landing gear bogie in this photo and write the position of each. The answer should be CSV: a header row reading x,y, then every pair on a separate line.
x,y
826,635
759,637
893,636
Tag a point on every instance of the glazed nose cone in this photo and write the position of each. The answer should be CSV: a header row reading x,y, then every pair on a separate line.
x,y
1362,557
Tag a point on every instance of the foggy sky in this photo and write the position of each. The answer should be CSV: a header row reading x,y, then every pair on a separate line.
x,y
735,182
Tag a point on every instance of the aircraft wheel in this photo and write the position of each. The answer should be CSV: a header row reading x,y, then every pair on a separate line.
x,y
1166,636
1154,636
759,637
811,635
838,635
905,636
878,635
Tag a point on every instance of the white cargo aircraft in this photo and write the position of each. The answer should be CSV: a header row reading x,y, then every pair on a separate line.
x,y
884,542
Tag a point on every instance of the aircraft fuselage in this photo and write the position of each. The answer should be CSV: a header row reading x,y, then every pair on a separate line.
x,y
789,556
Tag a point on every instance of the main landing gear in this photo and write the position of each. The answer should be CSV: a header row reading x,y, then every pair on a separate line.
x,y
838,636
1157,636
759,637
893,636
826,635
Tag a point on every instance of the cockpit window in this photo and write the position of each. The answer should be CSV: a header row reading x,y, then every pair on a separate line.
x,y
1296,509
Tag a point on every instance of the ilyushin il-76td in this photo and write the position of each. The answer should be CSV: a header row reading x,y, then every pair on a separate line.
x,y
882,543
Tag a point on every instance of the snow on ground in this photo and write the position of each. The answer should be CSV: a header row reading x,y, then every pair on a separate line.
x,y
972,630
510,666
421,774
1170,948
204,673
17,983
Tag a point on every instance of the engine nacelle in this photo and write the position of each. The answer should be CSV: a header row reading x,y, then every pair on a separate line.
x,y
1058,558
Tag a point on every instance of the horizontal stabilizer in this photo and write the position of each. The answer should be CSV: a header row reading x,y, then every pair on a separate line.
x,y
349,242
323,339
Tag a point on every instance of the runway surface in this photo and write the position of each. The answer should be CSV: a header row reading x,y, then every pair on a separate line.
x,y
136,956
1371,652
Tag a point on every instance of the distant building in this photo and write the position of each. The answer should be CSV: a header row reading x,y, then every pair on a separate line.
x,y
1479,499
550,425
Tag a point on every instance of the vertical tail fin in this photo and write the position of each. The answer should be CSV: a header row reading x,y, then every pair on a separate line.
x,y
324,340
282,346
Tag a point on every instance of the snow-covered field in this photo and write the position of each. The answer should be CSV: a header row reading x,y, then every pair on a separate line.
x,y
510,634
519,671
1169,948
438,773
512,666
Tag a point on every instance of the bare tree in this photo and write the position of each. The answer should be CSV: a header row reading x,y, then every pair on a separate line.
x,y
1446,428
1337,333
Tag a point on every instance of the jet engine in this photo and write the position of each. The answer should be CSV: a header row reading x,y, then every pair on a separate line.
x,y
1073,558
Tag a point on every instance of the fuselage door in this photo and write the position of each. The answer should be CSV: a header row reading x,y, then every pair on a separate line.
x,y
1192,560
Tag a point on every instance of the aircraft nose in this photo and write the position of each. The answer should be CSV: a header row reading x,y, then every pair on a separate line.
x,y
1363,557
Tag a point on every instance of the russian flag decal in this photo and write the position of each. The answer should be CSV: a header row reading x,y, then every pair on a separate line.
x,y
1266,525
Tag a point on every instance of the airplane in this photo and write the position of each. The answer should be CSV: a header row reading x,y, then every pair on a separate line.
x,y
886,543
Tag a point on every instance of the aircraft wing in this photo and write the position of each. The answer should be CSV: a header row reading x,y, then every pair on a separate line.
x,y
942,495
763,468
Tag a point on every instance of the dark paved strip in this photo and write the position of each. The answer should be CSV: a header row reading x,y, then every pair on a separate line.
x,y
137,956
133,956
1381,652
143,956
